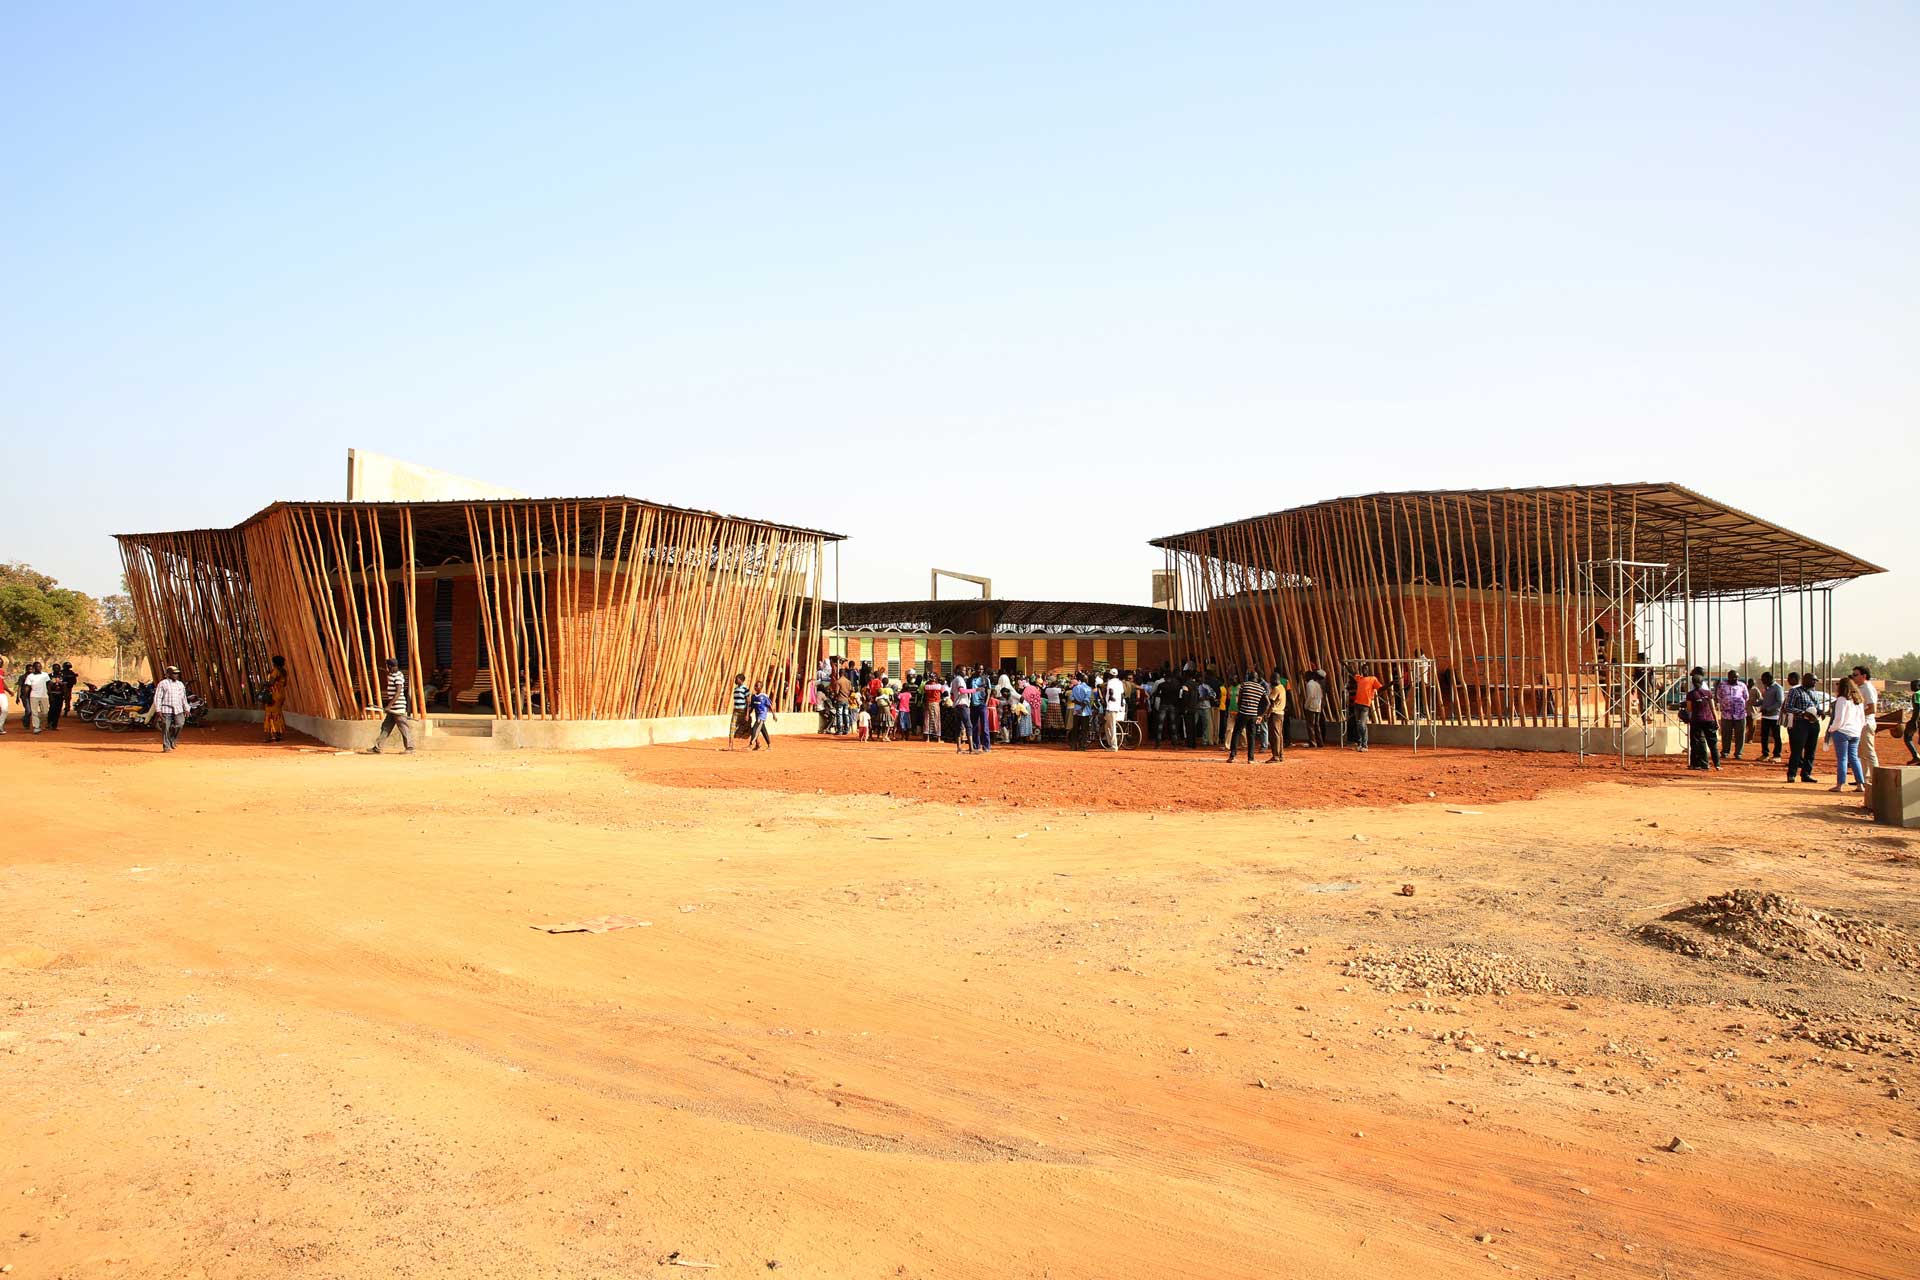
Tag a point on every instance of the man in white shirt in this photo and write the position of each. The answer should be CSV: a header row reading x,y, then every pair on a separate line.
x,y
1869,702
38,686
170,704
1116,708
1313,701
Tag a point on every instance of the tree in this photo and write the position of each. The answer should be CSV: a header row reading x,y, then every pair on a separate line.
x,y
41,619
123,629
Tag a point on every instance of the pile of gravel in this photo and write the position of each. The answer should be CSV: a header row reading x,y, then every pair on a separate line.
x,y
1449,971
1728,926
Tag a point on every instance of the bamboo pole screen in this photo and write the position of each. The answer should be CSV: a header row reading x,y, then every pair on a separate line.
x,y
193,596
587,609
1479,583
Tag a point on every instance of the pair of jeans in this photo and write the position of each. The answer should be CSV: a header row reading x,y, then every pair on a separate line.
x,y
170,725
1249,726
1846,751
54,707
1733,737
1166,721
1316,728
963,724
1803,739
1357,717
1703,743
393,721
1203,727
1769,739
982,740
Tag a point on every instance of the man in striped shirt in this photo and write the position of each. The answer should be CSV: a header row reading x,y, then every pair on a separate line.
x,y
395,705
742,712
1248,712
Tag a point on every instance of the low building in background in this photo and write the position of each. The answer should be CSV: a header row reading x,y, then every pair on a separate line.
x,y
1042,637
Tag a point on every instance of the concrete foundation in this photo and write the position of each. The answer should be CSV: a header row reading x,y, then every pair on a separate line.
x,y
1662,740
484,733
1896,795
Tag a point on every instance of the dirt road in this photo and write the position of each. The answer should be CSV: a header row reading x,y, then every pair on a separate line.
x,y
283,1013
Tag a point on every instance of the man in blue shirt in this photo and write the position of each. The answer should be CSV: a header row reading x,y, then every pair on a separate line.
x,y
1081,698
982,689
761,707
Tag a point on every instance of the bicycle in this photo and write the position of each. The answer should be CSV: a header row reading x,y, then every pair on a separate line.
x,y
1126,734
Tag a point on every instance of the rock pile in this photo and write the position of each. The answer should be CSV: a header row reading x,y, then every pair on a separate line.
x,y
1448,971
1728,925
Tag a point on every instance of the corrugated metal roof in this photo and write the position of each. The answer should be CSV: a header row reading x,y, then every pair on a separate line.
x,y
1748,553
607,500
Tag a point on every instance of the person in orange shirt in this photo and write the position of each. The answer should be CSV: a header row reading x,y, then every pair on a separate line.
x,y
1360,694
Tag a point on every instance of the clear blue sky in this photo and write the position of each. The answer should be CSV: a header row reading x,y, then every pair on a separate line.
x,y
1128,268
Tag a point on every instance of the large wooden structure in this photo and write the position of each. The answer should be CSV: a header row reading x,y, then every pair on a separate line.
x,y
1550,606
573,609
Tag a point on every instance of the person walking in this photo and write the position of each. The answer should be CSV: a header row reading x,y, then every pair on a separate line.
x,y
394,704
1360,707
760,708
741,725
35,689
1847,723
1252,708
1771,700
1730,701
1277,719
1802,712
273,714
6,698
1703,729
170,704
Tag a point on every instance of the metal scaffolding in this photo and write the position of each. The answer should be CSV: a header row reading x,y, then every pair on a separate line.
x,y
1631,688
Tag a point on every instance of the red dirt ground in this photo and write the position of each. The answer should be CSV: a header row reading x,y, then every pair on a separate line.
x,y
1146,780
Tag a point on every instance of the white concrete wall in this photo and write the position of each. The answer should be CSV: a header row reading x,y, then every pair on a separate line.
x,y
556,735
374,477
1665,740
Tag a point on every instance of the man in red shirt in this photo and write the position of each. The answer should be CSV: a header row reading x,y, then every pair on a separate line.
x,y
1360,692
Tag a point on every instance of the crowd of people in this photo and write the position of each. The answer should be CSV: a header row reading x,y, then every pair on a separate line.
x,y
1724,715
1195,706
45,692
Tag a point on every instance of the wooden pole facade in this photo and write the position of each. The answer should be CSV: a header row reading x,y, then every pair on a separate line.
x,y
608,609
